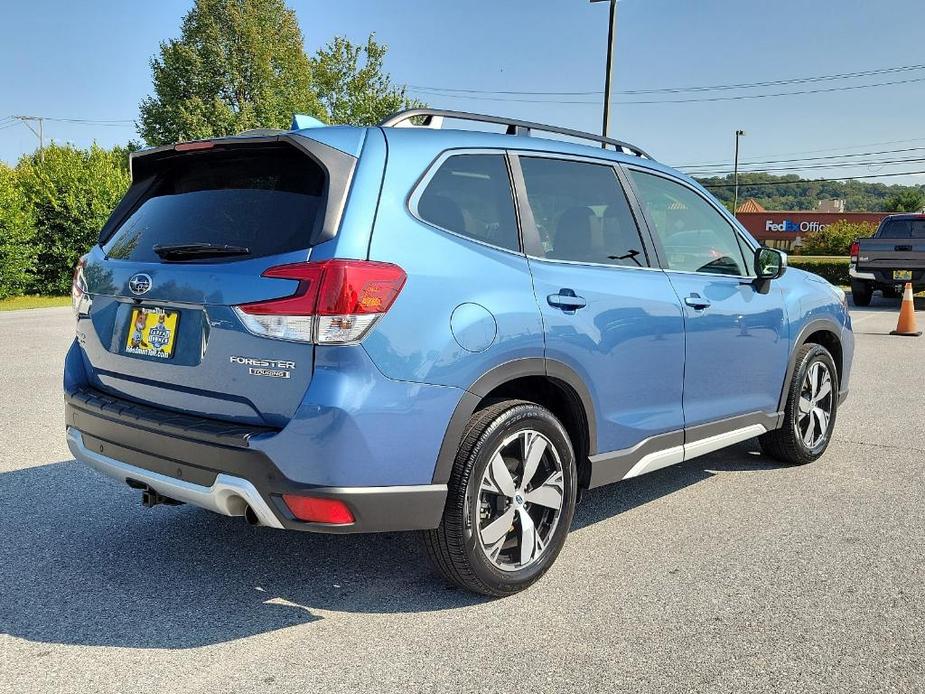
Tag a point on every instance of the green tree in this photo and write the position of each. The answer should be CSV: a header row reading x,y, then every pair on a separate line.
x,y
71,193
791,192
238,64
17,252
351,84
907,200
836,238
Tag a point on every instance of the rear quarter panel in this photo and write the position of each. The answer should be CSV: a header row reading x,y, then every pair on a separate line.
x,y
489,289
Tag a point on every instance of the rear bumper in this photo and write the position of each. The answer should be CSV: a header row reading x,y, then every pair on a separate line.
x,y
884,276
227,495
855,274
211,465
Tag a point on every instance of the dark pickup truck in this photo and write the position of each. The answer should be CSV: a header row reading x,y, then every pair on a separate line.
x,y
890,258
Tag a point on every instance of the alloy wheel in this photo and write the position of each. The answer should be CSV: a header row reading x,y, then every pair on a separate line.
x,y
815,407
520,500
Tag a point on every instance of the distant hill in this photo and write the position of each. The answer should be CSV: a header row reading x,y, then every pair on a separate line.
x,y
793,193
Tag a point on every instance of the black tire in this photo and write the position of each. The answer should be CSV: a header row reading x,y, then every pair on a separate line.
x,y
787,444
861,293
455,550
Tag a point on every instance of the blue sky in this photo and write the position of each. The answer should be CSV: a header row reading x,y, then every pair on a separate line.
x,y
90,60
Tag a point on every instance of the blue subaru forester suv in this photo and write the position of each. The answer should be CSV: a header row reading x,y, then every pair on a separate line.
x,y
411,327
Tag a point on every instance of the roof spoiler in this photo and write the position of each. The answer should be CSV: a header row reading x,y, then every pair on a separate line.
x,y
339,166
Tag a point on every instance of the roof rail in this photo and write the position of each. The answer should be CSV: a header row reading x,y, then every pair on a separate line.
x,y
433,118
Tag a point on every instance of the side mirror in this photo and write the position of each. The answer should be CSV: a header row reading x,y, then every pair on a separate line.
x,y
770,263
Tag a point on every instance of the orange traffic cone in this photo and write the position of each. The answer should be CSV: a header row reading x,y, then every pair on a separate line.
x,y
906,323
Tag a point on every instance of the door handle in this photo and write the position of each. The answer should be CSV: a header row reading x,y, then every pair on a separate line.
x,y
567,300
697,302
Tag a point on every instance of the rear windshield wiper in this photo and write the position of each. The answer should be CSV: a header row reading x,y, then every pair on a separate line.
x,y
182,251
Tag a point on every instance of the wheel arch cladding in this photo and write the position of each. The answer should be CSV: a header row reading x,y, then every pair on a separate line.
x,y
821,332
831,342
546,382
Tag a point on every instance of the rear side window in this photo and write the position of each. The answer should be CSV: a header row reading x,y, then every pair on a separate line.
x,y
581,212
903,229
470,195
264,199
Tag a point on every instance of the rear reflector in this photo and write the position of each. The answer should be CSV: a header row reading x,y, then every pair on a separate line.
x,y
335,302
855,248
313,509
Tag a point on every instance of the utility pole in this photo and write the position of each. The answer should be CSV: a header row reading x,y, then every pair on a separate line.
x,y
735,203
608,68
40,133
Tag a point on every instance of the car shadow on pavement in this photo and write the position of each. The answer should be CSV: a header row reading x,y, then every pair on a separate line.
x,y
81,562
606,502
881,304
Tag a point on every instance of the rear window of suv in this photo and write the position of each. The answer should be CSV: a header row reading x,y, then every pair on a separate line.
x,y
903,229
264,199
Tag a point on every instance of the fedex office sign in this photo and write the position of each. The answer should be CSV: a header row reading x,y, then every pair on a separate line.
x,y
793,227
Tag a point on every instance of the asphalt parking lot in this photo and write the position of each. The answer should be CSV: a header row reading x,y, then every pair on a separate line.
x,y
724,574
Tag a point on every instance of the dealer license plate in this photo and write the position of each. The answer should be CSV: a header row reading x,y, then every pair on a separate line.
x,y
152,332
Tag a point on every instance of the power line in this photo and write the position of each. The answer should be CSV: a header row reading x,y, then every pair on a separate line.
x,y
756,162
811,167
78,121
815,180
677,90
808,151
712,99
88,121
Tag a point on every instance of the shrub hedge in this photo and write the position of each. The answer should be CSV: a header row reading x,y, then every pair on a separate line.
x,y
52,206
833,268
17,232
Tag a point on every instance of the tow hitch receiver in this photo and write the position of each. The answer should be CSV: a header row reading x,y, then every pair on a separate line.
x,y
150,497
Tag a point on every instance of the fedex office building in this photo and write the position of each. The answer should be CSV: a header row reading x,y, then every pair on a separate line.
x,y
785,230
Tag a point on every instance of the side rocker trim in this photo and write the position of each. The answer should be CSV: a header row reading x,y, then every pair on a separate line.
x,y
675,447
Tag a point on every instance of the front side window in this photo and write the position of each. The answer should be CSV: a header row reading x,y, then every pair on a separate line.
x,y
693,234
581,212
470,195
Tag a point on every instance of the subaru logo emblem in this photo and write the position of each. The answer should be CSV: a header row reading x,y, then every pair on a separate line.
x,y
139,283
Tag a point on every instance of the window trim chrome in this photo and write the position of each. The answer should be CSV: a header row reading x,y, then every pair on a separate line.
x,y
581,263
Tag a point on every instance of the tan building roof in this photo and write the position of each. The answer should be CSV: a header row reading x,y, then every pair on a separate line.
x,y
750,205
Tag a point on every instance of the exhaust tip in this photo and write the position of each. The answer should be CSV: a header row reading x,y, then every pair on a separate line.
x,y
250,517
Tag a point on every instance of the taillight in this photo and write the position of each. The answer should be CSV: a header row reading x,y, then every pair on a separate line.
x,y
79,286
855,249
335,302
316,509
